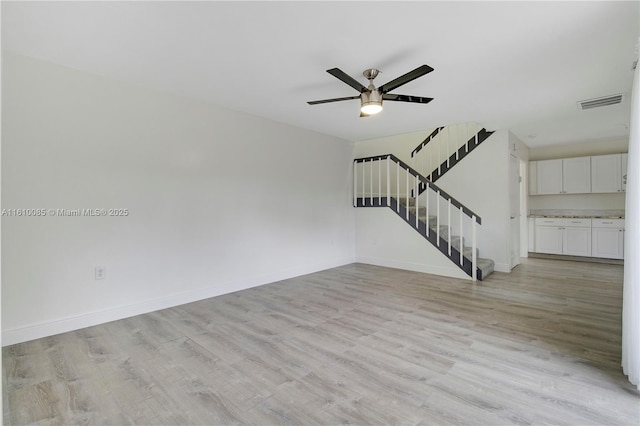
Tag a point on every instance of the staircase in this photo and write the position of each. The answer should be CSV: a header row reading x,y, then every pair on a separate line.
x,y
485,266
386,181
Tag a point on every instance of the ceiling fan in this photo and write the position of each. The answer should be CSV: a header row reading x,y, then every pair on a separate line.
x,y
371,97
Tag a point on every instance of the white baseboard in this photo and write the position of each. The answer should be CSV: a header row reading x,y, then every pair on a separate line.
x,y
452,272
63,325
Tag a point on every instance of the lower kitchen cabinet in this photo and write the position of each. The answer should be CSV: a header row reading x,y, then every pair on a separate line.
x,y
576,241
607,236
548,239
579,237
563,236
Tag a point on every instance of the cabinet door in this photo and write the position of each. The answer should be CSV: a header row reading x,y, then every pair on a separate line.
x,y
549,177
576,241
548,239
606,174
576,175
608,243
623,172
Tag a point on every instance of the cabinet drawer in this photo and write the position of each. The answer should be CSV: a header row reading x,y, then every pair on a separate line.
x,y
608,223
563,222
547,221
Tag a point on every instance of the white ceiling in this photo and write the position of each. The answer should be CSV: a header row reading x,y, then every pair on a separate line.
x,y
516,65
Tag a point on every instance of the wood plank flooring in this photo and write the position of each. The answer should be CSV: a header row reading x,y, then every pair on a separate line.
x,y
358,344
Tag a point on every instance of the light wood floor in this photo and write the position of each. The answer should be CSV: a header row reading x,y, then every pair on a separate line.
x,y
357,344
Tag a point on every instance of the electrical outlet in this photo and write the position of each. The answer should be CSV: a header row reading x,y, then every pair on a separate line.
x,y
100,272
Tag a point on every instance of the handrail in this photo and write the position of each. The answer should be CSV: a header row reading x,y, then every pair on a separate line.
x,y
425,181
426,141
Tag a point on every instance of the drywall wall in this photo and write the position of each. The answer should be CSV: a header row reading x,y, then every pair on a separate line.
x,y
578,201
1,387
384,239
481,181
399,145
603,147
209,200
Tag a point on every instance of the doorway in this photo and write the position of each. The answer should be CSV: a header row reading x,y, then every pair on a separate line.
x,y
514,209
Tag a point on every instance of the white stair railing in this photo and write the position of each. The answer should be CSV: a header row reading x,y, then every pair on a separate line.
x,y
439,149
386,181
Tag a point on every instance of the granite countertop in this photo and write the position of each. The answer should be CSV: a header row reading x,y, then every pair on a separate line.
x,y
582,214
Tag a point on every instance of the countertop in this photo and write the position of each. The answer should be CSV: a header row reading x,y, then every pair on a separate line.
x,y
578,214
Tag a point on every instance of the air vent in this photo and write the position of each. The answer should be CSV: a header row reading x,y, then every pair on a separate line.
x,y
600,102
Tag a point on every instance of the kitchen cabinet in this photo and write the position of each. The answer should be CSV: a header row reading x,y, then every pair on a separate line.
x,y
576,175
563,236
607,236
549,177
548,239
609,173
564,176
576,240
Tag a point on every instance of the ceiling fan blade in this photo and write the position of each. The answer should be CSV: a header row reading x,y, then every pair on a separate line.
x,y
406,98
406,78
341,75
324,101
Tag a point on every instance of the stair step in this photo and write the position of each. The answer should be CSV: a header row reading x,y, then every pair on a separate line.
x,y
407,201
486,266
422,211
444,233
468,252
433,221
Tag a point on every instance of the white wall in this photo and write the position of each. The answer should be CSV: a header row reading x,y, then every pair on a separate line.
x,y
603,147
398,145
384,239
218,200
481,182
579,201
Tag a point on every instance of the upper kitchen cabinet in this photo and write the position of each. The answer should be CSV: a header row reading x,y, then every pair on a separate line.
x,y
564,176
576,175
609,173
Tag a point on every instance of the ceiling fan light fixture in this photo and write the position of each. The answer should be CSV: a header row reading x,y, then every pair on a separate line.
x,y
371,108
371,102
